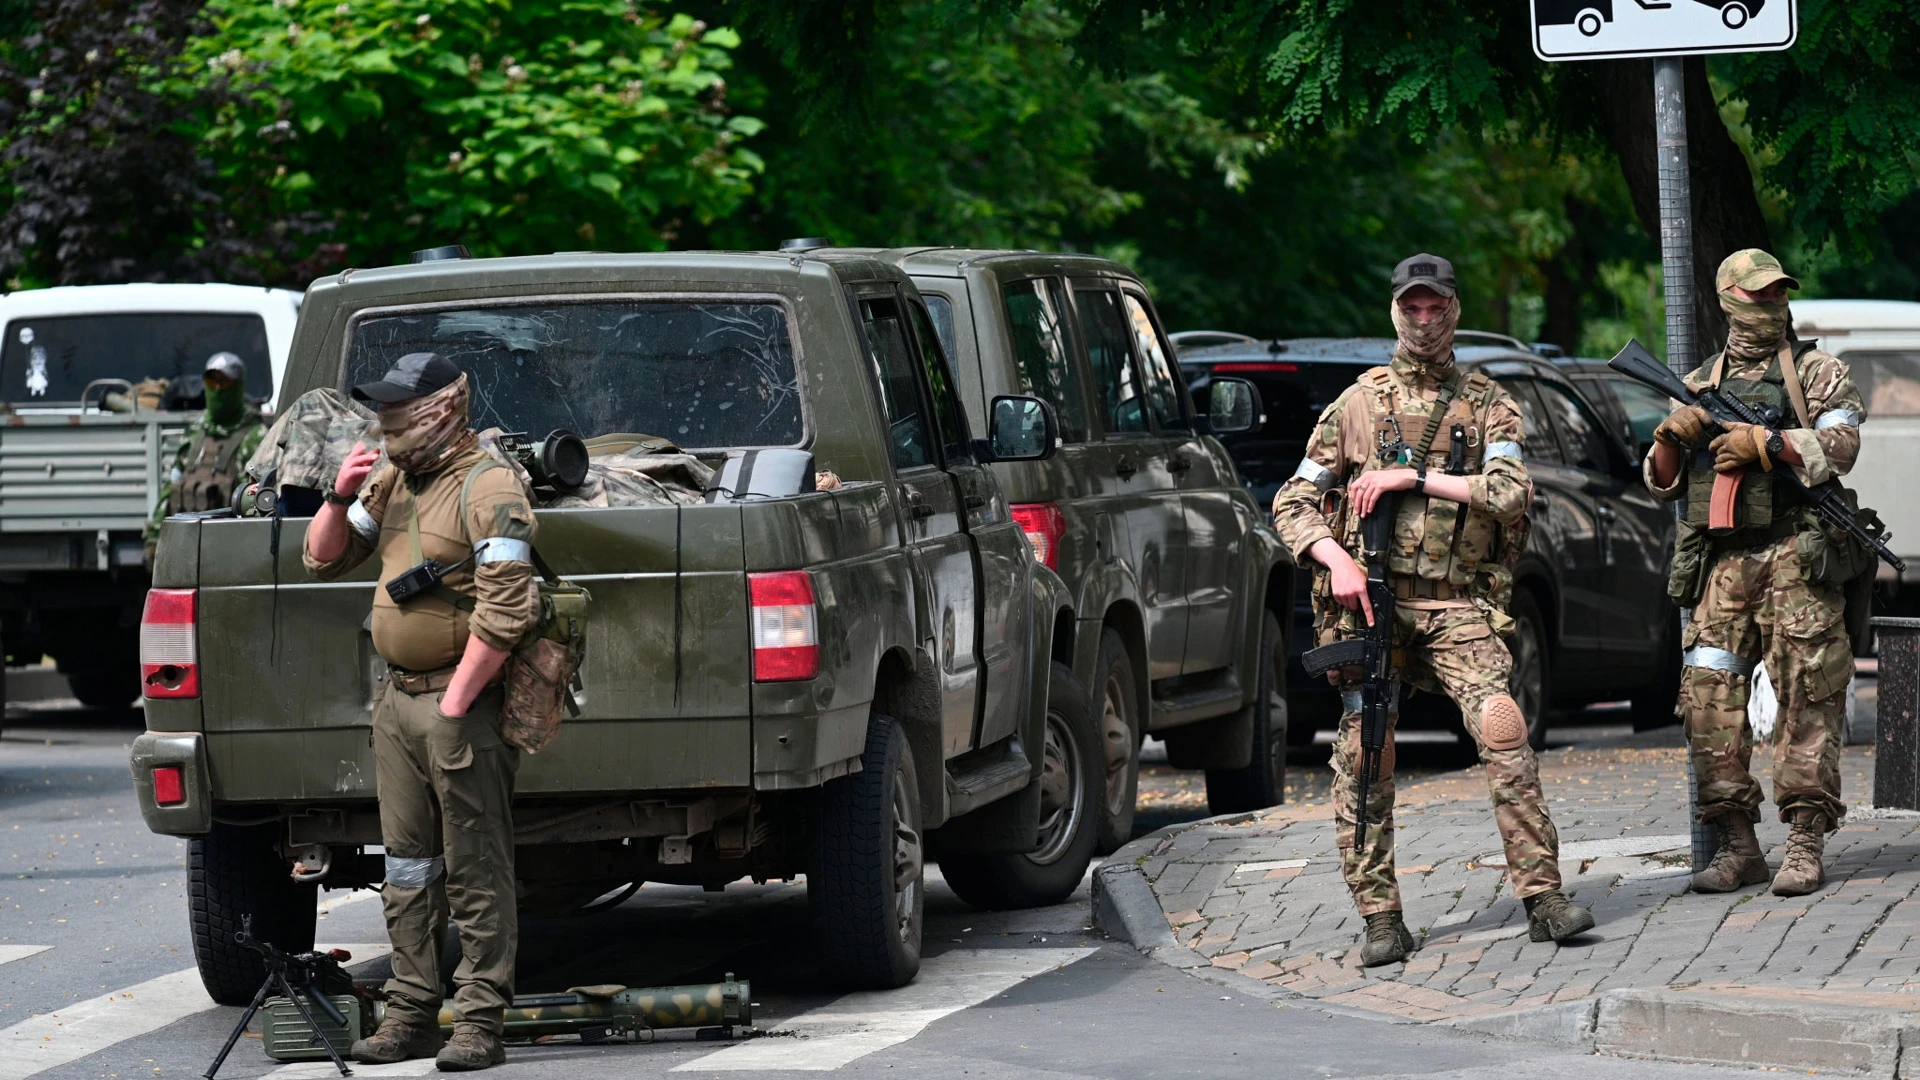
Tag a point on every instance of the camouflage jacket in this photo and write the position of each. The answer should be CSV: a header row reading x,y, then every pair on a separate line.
x,y
1834,408
1435,539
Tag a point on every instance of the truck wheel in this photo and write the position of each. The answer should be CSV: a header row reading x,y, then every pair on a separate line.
x,y
1263,782
1116,708
232,872
1653,704
1071,781
864,885
1529,683
104,674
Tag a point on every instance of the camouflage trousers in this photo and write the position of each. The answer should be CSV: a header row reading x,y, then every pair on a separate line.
x,y
1452,651
1758,605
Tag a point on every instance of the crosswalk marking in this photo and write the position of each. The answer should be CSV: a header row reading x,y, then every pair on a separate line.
x,y
321,1070
10,953
860,1024
87,1027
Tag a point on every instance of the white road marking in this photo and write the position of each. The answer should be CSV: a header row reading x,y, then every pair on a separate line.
x,y
1278,864
335,901
860,1024
87,1027
320,1070
10,953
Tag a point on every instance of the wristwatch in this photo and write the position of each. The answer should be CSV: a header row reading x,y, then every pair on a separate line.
x,y
338,499
1420,478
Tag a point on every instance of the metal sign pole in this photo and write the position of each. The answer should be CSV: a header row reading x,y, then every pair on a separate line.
x,y
1676,263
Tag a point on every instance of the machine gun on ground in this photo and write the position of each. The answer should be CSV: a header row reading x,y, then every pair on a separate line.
x,y
314,974
1636,363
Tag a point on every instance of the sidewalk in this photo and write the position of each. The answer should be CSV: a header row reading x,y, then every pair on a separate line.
x,y
1824,982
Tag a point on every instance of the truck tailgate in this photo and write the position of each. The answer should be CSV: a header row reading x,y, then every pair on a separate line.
x,y
288,672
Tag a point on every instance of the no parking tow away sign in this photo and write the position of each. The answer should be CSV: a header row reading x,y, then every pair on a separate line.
x,y
1598,29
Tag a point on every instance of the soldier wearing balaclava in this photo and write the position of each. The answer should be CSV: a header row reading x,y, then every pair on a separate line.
x,y
1764,579
214,450
1448,447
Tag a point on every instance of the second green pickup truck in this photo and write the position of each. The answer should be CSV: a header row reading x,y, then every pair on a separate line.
x,y
838,683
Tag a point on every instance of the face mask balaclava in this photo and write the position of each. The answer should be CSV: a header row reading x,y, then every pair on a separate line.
x,y
1754,329
424,434
226,404
1429,344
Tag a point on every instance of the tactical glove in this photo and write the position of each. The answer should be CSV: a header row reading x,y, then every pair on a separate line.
x,y
1685,427
1742,445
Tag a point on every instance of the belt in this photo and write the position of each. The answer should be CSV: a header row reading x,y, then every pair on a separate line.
x,y
1416,588
432,682
1762,536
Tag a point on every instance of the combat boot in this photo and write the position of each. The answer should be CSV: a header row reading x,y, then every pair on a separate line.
x,y
472,1048
1737,862
1388,940
1552,917
396,1041
1801,872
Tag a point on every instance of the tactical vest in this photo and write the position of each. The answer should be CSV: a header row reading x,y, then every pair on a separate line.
x,y
1764,505
208,474
1436,539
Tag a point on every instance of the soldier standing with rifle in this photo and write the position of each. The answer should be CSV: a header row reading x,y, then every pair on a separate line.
x,y
1763,573
445,775
1430,459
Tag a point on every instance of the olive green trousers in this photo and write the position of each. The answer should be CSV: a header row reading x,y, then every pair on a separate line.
x,y
446,819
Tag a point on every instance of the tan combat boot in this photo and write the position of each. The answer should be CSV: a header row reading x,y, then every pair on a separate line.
x,y
472,1048
1801,872
1737,862
1388,940
396,1041
1552,917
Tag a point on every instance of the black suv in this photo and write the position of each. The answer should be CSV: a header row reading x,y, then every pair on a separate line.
x,y
1590,592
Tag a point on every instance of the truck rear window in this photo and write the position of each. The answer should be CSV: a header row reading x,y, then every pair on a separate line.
x,y
705,374
51,359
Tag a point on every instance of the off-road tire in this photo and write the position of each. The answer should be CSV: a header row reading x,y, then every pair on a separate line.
x,y
1049,875
1114,685
232,872
107,687
852,893
1263,782
1532,661
1653,704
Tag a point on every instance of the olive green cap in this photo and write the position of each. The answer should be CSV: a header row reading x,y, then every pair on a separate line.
x,y
1752,269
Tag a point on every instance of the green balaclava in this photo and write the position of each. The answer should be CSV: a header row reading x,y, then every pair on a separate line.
x,y
227,404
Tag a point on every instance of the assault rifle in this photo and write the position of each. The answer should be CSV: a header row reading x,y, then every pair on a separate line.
x,y
1372,652
1636,363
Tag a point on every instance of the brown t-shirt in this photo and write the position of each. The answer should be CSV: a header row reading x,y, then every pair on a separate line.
x,y
430,631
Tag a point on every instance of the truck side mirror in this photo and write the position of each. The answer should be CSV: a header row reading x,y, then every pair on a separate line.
x,y
1019,428
1233,407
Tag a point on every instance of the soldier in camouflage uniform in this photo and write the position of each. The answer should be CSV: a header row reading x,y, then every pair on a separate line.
x,y
1765,579
214,450
1455,529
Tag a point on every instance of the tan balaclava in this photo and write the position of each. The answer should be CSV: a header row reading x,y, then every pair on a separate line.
x,y
1754,329
423,434
1429,344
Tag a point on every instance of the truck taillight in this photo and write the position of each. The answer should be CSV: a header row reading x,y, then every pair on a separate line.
x,y
169,657
169,785
786,626
1044,525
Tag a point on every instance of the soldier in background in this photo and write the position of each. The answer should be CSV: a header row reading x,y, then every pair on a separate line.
x,y
215,449
444,775
1446,565
1760,595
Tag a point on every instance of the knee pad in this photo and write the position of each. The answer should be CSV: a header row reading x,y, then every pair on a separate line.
x,y
1502,725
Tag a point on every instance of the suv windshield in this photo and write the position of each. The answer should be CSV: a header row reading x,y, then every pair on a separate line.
x,y
51,359
705,374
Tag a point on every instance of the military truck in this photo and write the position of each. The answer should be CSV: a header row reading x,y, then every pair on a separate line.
x,y
79,479
1182,593
834,684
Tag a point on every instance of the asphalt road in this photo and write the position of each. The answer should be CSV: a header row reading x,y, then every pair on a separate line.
x,y
96,975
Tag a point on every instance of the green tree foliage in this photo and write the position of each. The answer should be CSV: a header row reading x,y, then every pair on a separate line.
x,y
513,128
970,131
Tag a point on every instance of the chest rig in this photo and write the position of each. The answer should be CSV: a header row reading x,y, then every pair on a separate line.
x,y
206,478
1433,539
1763,508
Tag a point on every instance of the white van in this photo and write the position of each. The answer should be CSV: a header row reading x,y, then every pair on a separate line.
x,y
1880,341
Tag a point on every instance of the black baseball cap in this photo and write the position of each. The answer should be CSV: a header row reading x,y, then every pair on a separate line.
x,y
1432,271
413,375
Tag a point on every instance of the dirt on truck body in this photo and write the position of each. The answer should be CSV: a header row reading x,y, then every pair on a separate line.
x,y
838,683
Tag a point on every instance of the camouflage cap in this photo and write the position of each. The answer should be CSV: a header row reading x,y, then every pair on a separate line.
x,y
1752,269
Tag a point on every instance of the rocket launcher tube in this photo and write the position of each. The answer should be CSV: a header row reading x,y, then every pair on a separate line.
x,y
621,1008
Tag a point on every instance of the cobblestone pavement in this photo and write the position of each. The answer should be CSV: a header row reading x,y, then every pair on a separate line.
x,y
1264,897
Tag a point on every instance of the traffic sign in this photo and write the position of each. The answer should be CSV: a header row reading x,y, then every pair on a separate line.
x,y
1599,29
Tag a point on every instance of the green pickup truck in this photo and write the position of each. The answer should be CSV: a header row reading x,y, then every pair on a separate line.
x,y
840,681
